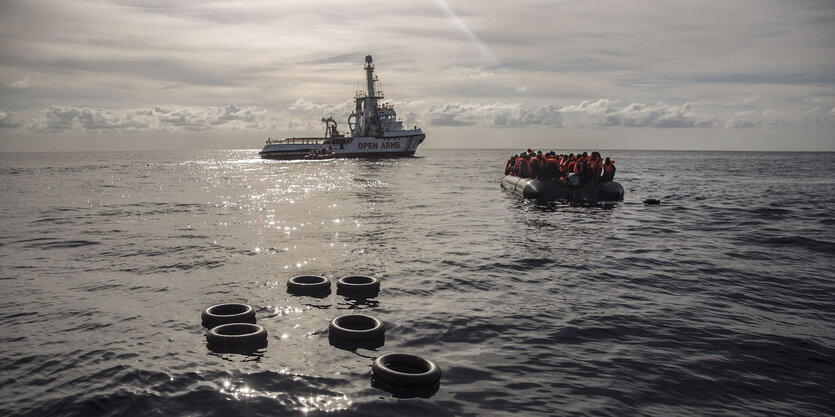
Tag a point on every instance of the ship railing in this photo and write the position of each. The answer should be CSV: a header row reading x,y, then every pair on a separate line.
x,y
296,141
363,94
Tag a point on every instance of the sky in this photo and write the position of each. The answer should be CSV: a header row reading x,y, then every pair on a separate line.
x,y
87,75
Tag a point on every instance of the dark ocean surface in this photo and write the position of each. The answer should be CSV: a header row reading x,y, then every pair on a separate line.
x,y
720,301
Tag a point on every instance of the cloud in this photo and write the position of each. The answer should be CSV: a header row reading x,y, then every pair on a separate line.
x,y
9,120
496,114
748,100
480,75
304,114
743,120
230,117
65,118
22,83
608,112
304,106
160,118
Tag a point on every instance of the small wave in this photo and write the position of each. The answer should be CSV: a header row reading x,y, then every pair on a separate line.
x,y
19,314
54,220
802,242
15,171
769,213
99,287
51,243
63,210
117,213
175,267
828,221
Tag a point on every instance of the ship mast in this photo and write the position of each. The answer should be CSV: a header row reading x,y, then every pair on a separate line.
x,y
366,117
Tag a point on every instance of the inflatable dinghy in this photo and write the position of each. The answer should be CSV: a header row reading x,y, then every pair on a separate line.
x,y
570,189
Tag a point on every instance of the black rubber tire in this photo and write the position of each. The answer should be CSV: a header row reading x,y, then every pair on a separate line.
x,y
227,313
236,335
356,327
308,283
404,370
358,283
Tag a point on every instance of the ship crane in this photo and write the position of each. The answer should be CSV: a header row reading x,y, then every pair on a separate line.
x,y
330,128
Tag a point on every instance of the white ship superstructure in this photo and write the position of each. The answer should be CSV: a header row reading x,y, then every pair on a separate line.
x,y
374,128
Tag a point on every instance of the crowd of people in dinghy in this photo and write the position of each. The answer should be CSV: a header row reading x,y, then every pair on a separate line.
x,y
535,164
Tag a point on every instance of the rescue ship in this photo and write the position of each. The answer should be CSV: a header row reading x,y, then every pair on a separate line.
x,y
375,132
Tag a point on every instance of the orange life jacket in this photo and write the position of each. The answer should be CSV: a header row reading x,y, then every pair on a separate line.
x,y
577,166
593,166
536,167
609,168
524,167
551,168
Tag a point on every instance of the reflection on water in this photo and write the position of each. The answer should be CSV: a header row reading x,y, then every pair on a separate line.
x,y
240,390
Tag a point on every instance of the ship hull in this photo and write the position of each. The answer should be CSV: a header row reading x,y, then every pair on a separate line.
x,y
296,156
387,146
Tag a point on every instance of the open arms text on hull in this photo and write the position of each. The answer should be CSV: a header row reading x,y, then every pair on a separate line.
x,y
375,132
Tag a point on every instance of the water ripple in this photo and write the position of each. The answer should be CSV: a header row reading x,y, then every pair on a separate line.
x,y
715,302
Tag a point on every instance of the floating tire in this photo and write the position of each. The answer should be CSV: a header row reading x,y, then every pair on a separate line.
x,y
404,370
356,327
236,335
358,283
227,313
652,201
308,283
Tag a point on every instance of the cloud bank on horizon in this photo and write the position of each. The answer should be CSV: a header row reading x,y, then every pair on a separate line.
x,y
748,74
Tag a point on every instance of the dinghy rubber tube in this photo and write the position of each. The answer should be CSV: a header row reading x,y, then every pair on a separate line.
x,y
549,190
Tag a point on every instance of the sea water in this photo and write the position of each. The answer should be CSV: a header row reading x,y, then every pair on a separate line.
x,y
718,301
